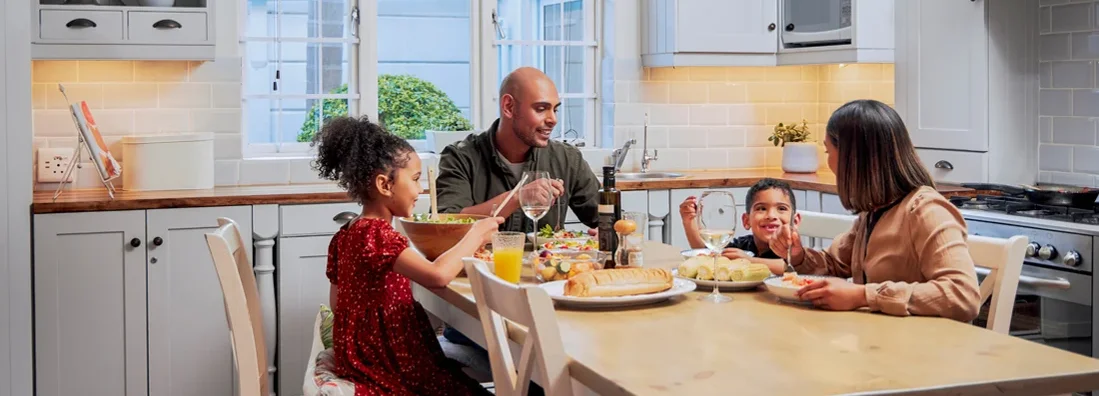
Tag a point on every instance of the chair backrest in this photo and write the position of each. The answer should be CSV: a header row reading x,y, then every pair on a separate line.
x,y
1003,258
242,306
532,308
999,259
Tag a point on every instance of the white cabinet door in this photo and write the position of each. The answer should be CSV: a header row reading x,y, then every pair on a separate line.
x,y
942,73
679,237
189,347
89,301
303,287
726,26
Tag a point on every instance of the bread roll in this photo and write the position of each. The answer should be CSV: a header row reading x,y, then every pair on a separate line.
x,y
619,282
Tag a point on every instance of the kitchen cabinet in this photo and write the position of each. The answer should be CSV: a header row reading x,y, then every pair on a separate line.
x,y
747,33
128,303
967,87
183,32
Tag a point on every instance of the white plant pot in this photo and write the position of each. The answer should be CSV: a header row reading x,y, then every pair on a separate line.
x,y
800,158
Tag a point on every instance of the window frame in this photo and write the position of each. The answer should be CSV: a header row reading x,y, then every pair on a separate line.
x,y
361,17
488,95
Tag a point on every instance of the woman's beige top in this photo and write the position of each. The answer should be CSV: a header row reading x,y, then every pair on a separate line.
x,y
916,261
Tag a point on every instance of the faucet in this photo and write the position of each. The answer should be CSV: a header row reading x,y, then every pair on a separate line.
x,y
645,158
619,155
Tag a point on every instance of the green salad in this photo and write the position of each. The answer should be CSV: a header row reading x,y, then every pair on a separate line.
x,y
548,232
443,219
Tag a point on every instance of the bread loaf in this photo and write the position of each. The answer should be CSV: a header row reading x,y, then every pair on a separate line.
x,y
619,282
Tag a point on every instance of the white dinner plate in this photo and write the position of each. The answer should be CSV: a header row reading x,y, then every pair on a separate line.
x,y
721,285
556,290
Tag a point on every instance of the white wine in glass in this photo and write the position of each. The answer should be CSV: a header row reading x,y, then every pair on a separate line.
x,y
535,203
717,224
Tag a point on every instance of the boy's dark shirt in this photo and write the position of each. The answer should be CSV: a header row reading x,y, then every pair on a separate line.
x,y
748,243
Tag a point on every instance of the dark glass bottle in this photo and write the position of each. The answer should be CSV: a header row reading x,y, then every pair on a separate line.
x,y
610,210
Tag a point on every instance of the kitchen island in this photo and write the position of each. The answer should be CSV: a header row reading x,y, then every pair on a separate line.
x,y
757,345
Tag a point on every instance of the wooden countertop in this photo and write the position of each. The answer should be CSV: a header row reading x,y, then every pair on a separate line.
x,y
759,346
97,199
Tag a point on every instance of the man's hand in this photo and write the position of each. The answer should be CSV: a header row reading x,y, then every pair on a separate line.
x,y
544,189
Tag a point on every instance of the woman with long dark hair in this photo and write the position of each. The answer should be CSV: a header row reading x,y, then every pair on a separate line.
x,y
907,251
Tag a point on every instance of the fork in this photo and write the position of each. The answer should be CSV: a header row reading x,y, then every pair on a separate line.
x,y
789,255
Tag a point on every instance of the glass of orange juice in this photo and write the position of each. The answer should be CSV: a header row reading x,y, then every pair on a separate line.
x,y
507,255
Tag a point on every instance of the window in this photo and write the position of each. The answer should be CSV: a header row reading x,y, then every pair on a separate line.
x,y
557,37
300,66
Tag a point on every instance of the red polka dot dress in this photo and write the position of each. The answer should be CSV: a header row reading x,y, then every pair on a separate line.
x,y
381,337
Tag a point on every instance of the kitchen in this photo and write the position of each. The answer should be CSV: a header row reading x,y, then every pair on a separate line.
x,y
702,91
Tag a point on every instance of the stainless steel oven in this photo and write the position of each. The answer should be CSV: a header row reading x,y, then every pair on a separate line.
x,y
813,23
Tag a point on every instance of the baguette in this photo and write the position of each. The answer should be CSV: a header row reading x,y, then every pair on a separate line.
x,y
619,282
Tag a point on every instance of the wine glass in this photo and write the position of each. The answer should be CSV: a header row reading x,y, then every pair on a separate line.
x,y
717,224
536,203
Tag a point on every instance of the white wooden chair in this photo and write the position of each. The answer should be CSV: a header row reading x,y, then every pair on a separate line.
x,y
543,349
999,260
242,307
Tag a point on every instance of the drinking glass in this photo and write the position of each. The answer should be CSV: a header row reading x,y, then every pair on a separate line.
x,y
535,204
717,224
507,255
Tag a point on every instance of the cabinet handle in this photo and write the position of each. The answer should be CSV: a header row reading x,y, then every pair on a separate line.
x,y
157,241
771,27
80,23
135,242
152,260
944,164
790,27
344,217
167,24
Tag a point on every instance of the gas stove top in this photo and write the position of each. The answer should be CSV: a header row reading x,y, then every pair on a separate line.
x,y
1020,206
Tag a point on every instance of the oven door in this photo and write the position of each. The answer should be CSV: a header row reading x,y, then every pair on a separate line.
x,y
816,22
1051,307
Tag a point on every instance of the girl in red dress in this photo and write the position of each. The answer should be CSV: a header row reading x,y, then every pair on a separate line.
x,y
382,339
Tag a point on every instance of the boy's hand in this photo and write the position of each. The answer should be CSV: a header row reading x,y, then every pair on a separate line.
x,y
786,237
734,253
485,229
688,210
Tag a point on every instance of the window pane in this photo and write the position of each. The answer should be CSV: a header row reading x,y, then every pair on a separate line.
x,y
570,119
565,65
314,18
423,66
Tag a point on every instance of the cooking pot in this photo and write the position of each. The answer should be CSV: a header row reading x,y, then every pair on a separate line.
x,y
1046,194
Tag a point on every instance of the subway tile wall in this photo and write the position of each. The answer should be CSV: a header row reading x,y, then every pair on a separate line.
x,y
720,117
1069,94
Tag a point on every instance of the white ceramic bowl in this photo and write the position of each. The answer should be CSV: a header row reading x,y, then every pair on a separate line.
x,y
785,291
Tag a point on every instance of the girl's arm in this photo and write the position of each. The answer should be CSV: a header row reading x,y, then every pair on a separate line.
x,y
438,274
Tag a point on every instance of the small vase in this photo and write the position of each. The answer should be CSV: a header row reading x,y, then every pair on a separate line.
x,y
800,157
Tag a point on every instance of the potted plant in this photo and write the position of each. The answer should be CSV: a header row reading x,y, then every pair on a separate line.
x,y
799,154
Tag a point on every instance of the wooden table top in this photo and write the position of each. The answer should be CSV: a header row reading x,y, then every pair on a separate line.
x,y
97,199
757,345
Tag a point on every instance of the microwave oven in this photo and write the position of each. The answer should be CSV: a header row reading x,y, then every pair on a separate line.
x,y
816,23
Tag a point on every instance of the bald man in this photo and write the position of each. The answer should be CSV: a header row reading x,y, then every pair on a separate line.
x,y
477,173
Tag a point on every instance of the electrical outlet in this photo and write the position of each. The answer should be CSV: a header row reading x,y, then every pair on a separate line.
x,y
52,163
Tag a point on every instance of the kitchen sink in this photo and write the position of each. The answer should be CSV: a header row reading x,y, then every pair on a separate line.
x,y
648,175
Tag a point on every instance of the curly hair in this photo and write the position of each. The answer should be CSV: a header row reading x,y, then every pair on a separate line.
x,y
353,152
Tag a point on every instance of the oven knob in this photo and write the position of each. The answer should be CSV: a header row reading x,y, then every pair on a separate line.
x,y
1071,259
1047,252
1032,249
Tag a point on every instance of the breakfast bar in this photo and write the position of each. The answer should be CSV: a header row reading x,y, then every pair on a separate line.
x,y
758,345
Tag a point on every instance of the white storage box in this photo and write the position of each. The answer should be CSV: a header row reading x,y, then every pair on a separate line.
x,y
168,162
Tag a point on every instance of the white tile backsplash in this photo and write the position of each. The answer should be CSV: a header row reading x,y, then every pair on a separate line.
x,y
1069,94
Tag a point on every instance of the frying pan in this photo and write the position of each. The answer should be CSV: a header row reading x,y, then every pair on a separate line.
x,y
1047,194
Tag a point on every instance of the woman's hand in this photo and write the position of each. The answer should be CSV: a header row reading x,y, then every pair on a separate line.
x,y
783,238
688,210
485,229
834,294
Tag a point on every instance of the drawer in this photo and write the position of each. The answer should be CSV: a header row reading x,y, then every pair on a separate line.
x,y
167,27
968,167
314,219
90,26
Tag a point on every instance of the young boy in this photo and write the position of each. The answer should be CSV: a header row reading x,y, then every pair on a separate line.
x,y
770,205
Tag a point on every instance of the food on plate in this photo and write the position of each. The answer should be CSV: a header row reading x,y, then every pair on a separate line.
x,y
442,219
625,226
547,232
587,245
483,254
554,266
739,270
793,280
619,282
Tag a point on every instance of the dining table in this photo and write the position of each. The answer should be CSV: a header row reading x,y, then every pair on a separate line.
x,y
759,345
